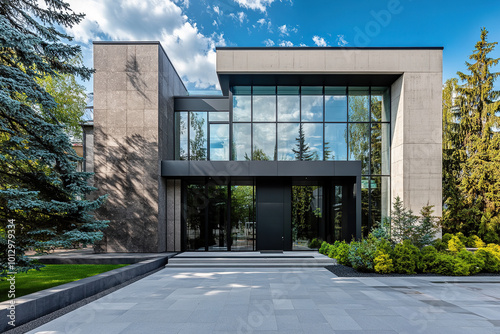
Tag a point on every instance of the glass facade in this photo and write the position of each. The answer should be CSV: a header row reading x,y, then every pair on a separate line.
x,y
286,123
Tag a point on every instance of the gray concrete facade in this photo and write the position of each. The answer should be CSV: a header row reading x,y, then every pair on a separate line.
x,y
415,103
134,89
134,85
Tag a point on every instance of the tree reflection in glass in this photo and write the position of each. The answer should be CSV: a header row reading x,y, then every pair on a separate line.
x,y
359,104
198,136
359,144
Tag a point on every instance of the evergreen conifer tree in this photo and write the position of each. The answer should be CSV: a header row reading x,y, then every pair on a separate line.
x,y
473,200
40,189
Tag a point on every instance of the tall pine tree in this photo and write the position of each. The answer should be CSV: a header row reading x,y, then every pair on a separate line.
x,y
40,189
474,136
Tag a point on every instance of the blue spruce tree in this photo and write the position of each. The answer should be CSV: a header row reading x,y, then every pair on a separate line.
x,y
41,192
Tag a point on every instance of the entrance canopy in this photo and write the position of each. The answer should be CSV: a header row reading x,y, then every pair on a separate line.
x,y
180,168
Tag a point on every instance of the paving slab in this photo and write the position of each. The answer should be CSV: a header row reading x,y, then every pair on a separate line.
x,y
287,300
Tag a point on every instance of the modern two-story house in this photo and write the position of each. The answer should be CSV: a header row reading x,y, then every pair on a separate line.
x,y
303,144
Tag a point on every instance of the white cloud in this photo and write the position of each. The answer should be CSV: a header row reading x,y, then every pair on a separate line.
x,y
185,3
216,10
240,16
262,22
269,42
286,43
319,41
283,30
255,4
341,40
191,52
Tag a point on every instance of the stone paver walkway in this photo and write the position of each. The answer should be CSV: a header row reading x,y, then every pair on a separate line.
x,y
309,300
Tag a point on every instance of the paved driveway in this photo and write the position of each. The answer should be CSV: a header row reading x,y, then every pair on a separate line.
x,y
309,300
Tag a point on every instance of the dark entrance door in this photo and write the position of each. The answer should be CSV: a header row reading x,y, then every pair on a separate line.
x,y
273,214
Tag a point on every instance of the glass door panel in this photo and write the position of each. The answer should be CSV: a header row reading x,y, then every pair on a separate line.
x,y
242,218
307,213
217,218
195,217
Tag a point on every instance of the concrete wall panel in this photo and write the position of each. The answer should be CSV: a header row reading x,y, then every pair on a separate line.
x,y
127,89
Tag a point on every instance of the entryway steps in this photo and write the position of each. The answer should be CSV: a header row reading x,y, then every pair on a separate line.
x,y
249,260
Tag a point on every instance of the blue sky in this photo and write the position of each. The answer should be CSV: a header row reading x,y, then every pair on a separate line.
x,y
189,30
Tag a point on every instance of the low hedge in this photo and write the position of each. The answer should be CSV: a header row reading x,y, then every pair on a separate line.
x,y
449,257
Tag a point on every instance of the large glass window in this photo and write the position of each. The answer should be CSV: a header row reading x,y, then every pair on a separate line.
x,y
336,123
312,104
287,140
313,143
335,141
264,141
380,136
359,144
264,104
181,136
218,116
242,141
335,104
198,135
288,104
242,104
380,104
219,141
359,104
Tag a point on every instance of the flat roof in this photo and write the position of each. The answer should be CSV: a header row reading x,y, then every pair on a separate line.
x,y
330,48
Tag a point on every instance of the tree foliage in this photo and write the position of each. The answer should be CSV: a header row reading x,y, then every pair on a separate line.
x,y
40,188
472,148
70,98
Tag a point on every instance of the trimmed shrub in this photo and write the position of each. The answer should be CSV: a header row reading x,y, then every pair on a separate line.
x,y
342,255
475,242
361,255
429,254
383,246
314,243
455,244
462,237
446,237
323,248
439,245
489,258
476,264
461,267
383,264
332,251
406,258
443,264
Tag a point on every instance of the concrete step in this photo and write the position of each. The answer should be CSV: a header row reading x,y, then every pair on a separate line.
x,y
232,261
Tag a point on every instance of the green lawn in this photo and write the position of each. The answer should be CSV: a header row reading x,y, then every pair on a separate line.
x,y
53,275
